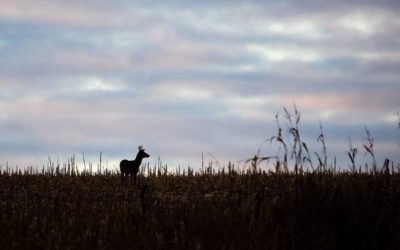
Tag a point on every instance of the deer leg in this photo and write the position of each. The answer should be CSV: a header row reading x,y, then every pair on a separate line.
x,y
130,178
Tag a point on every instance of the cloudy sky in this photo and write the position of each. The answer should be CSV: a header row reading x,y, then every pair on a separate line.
x,y
182,78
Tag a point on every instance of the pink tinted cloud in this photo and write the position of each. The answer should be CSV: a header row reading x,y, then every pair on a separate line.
x,y
341,106
68,13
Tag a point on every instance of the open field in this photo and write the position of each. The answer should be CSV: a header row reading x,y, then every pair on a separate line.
x,y
214,89
312,205
203,210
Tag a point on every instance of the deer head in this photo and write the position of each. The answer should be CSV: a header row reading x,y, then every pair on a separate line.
x,y
141,152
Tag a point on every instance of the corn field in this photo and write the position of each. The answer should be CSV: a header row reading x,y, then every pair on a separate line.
x,y
201,210
307,206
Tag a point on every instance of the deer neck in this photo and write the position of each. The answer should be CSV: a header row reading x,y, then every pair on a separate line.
x,y
138,159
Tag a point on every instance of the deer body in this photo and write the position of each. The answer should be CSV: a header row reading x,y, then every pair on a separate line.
x,y
131,168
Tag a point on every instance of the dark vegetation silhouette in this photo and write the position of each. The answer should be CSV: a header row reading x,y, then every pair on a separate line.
x,y
302,201
131,168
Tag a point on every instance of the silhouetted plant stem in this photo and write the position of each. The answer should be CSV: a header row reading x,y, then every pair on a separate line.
x,y
352,156
369,147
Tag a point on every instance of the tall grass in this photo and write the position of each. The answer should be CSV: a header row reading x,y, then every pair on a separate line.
x,y
225,209
307,206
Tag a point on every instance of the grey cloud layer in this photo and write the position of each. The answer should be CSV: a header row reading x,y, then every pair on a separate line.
x,y
91,76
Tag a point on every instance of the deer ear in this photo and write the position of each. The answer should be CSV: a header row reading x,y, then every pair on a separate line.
x,y
140,147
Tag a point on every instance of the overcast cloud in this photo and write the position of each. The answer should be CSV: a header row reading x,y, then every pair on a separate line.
x,y
90,76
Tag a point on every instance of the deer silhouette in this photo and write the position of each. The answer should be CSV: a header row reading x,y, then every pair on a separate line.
x,y
131,168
